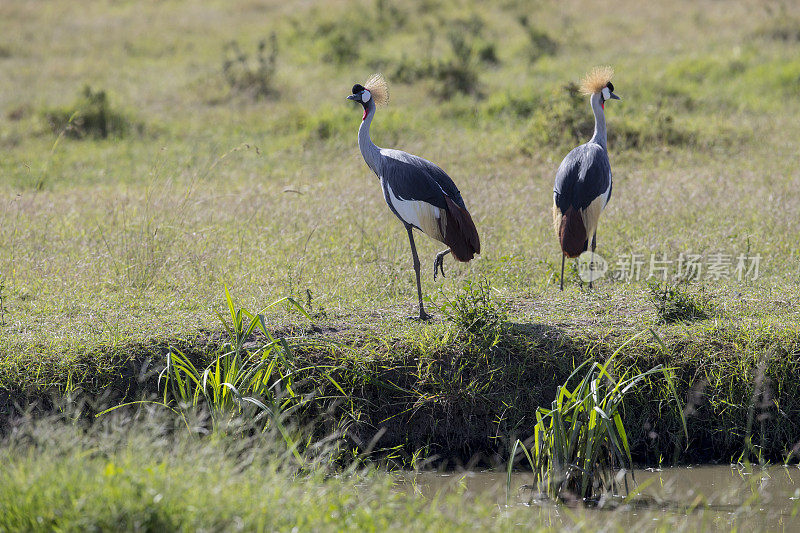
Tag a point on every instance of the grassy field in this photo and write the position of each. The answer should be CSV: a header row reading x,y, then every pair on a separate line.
x,y
200,158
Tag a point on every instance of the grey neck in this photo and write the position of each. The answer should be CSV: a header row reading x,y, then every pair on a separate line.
x,y
371,153
599,136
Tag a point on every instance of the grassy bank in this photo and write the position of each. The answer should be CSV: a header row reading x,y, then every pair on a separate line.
x,y
456,394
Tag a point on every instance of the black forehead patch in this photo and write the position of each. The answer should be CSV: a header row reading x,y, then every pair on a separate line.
x,y
610,86
357,88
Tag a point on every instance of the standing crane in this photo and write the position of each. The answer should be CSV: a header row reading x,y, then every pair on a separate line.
x,y
583,181
418,192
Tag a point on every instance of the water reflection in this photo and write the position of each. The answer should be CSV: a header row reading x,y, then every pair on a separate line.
x,y
694,498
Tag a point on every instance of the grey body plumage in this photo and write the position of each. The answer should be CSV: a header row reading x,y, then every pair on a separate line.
x,y
584,174
583,181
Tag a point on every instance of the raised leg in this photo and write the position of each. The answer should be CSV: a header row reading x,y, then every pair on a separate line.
x,y
591,263
439,262
422,314
562,270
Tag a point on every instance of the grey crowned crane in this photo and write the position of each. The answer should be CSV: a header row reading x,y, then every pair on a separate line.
x,y
583,181
418,192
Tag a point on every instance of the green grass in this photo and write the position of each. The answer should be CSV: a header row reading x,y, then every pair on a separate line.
x,y
580,449
136,477
114,250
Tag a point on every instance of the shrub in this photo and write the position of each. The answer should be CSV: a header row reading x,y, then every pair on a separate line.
x,y
674,303
784,28
656,127
476,312
456,74
91,116
565,120
562,121
341,43
389,15
251,78
517,102
325,122
487,53
342,36
540,44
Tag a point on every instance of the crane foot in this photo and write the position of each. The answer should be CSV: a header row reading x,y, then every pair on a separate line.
x,y
423,317
438,264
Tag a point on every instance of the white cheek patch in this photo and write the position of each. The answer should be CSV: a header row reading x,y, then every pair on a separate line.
x,y
365,96
606,93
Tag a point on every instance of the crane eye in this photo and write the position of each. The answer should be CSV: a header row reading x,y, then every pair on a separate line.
x,y
365,96
606,93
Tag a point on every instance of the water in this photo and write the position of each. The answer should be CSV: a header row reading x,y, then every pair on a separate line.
x,y
689,498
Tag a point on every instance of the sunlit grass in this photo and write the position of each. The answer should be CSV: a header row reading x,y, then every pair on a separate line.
x,y
121,252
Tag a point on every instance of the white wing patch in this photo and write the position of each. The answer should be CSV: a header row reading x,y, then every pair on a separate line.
x,y
423,215
398,155
608,192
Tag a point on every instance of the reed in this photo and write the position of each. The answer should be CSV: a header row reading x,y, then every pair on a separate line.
x,y
580,448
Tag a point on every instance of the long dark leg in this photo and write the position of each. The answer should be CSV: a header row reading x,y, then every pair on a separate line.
x,y
439,262
591,263
422,314
562,270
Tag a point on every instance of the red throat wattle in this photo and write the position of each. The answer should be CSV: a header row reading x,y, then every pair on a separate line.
x,y
602,104
366,111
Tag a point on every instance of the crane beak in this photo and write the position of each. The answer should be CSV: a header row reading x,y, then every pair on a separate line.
x,y
615,97
354,97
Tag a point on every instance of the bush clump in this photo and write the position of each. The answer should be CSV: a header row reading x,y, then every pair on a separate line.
x,y
341,42
565,120
91,116
457,73
325,123
252,78
674,303
540,44
562,121
342,36
476,312
656,128
782,28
